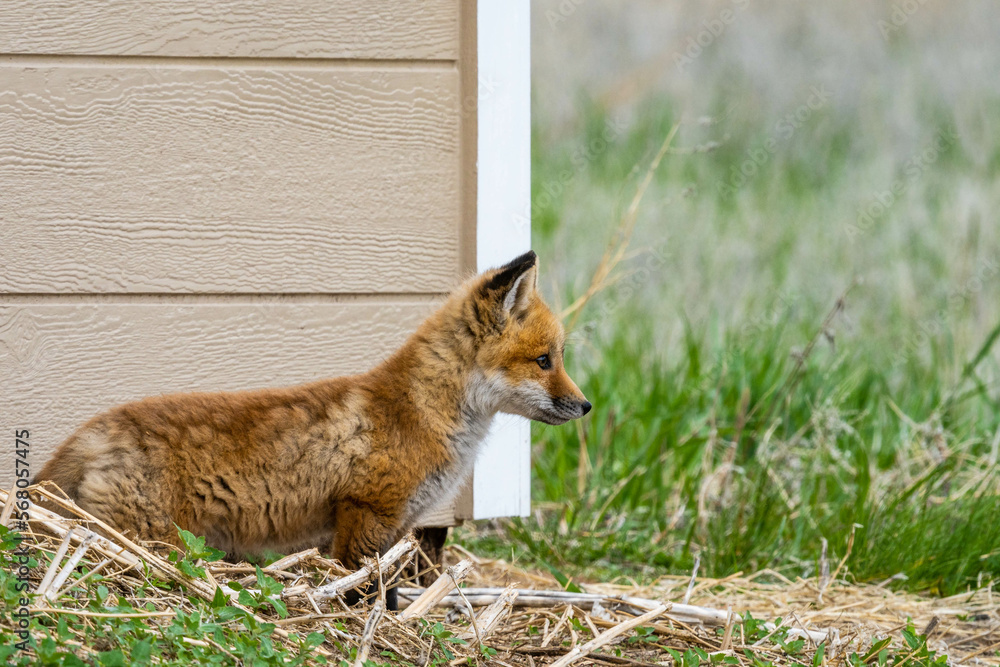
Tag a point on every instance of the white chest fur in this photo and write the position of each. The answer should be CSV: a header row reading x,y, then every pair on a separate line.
x,y
441,486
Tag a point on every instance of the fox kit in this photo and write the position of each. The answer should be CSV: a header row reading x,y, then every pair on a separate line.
x,y
347,464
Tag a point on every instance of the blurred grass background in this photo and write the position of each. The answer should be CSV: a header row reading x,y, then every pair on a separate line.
x,y
845,150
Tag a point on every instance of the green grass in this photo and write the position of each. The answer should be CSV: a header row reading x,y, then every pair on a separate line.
x,y
707,437
667,471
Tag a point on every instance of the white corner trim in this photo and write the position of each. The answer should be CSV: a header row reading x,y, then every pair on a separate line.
x,y
501,484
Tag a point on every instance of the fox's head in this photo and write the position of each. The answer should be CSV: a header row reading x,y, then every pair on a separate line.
x,y
518,344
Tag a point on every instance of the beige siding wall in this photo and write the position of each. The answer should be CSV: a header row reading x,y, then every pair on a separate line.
x,y
227,195
350,29
228,179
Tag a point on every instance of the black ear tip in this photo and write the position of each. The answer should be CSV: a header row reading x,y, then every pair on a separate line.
x,y
523,262
503,277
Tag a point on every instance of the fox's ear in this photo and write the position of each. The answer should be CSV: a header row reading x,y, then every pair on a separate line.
x,y
513,284
516,302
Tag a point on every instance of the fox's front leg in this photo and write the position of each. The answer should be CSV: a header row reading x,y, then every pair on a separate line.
x,y
360,532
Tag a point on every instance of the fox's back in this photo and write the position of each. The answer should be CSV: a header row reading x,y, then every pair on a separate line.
x,y
251,470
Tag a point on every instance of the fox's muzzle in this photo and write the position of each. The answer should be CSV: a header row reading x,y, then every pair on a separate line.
x,y
565,408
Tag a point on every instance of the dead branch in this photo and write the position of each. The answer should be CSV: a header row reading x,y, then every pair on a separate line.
x,y
338,586
441,587
608,636
368,635
490,617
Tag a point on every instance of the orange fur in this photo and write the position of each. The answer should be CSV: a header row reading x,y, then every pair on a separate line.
x,y
348,463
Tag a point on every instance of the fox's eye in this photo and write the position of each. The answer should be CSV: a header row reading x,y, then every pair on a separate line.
x,y
544,362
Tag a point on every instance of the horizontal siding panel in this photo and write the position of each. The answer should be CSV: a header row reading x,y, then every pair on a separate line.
x,y
119,180
64,363
377,29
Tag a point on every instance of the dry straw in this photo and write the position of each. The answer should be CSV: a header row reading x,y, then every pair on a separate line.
x,y
617,248
521,616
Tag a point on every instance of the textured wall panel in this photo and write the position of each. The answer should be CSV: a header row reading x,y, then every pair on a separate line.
x,y
390,29
214,180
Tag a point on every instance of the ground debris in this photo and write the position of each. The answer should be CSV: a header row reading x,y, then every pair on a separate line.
x,y
509,616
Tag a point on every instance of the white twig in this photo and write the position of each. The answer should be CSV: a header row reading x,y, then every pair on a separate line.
x,y
472,615
53,569
368,635
607,636
684,613
8,508
694,578
60,526
491,616
824,568
441,587
53,592
359,577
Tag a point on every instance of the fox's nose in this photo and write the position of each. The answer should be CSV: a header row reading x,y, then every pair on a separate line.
x,y
586,406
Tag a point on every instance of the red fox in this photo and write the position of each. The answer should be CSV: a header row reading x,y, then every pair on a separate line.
x,y
347,464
